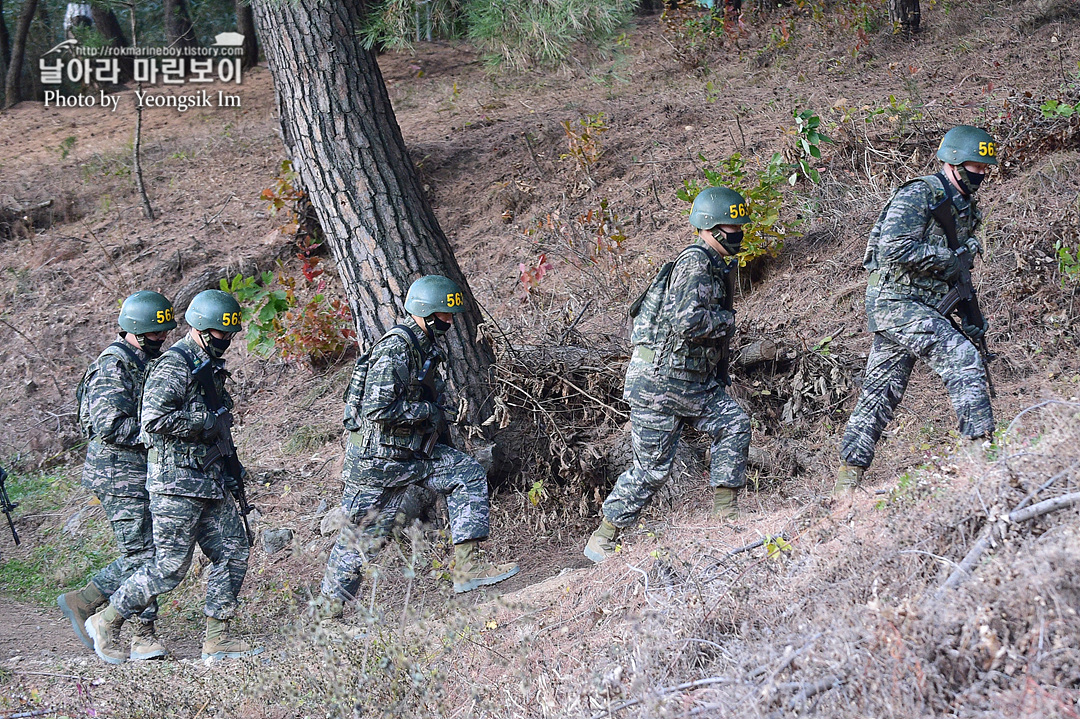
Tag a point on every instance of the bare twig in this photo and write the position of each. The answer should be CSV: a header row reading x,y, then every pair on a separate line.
x,y
662,691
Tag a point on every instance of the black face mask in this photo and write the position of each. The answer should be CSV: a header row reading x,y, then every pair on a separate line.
x,y
438,326
730,241
969,181
152,348
215,347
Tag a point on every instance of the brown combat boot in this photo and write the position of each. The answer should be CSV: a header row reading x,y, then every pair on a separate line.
x,y
471,572
603,542
219,645
724,504
145,644
104,629
847,478
80,605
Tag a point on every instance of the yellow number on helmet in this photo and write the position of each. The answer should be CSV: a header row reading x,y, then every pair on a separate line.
x,y
225,319
733,211
457,298
742,210
450,299
982,149
161,317
990,149
236,319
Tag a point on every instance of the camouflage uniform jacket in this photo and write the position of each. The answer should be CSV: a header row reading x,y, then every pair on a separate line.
x,y
115,458
393,417
174,414
677,332
908,249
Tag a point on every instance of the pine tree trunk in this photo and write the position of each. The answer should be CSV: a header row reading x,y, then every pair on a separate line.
x,y
345,143
13,84
5,40
905,14
245,25
109,26
178,30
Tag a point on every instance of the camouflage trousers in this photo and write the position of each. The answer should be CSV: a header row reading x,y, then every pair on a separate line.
x,y
382,493
655,437
933,339
133,526
179,524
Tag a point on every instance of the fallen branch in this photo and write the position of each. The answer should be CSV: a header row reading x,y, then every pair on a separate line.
x,y
1017,516
663,691
806,691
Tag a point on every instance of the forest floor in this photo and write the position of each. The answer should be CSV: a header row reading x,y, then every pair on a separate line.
x,y
844,616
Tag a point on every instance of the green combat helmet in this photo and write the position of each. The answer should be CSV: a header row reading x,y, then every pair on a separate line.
x,y
965,143
146,311
718,206
214,310
434,293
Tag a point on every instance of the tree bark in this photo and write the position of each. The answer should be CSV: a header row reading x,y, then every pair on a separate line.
x,y
13,83
108,25
905,14
245,25
178,30
5,40
345,143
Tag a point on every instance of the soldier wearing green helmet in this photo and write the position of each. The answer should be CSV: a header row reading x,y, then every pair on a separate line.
x,y
397,415
108,399
913,263
677,375
189,487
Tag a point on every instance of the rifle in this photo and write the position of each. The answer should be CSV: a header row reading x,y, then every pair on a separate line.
x,y
224,449
7,506
426,378
961,299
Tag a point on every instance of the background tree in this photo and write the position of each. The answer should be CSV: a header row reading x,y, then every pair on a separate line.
x,y
178,27
13,81
112,33
245,25
905,15
5,42
344,141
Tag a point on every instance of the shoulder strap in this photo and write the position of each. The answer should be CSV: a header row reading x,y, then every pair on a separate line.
x,y
942,211
126,349
189,358
413,339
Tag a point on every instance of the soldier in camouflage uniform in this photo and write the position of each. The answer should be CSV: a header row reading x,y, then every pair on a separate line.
x,y
682,325
911,269
397,418
190,490
115,469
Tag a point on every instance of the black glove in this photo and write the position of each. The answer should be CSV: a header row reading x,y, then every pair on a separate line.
x,y
951,269
217,425
974,332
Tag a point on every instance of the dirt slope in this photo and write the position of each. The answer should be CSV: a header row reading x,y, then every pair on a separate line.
x,y
489,151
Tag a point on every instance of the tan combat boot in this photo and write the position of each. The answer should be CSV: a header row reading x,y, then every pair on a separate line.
x,y
219,645
602,544
145,644
471,572
724,504
972,449
80,605
103,629
847,478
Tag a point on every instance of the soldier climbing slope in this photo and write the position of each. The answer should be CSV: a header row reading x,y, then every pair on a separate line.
x,y
189,485
678,371
397,417
922,245
108,399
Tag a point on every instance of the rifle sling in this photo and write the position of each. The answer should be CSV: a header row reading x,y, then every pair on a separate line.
x,y
205,379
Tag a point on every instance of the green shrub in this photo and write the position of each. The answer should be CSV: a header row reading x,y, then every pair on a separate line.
x,y
397,24
529,33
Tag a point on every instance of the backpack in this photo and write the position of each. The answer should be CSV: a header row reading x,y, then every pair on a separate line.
x,y
119,349
354,393
660,284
